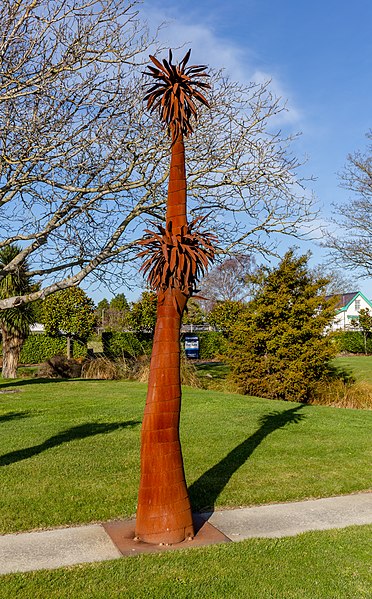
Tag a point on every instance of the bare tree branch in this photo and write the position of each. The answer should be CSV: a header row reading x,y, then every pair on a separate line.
x,y
352,246
82,166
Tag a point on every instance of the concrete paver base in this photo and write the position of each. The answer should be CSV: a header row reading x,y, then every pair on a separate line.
x,y
121,533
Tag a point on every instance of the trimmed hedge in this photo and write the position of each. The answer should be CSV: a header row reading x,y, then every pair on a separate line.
x,y
39,347
131,345
353,342
212,344
126,345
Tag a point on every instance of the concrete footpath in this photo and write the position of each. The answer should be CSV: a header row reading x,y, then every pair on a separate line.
x,y
98,542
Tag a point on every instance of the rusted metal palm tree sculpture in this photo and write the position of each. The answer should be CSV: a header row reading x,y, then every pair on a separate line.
x,y
175,257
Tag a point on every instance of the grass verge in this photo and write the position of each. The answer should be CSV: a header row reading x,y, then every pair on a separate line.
x,y
317,565
213,375
359,366
69,451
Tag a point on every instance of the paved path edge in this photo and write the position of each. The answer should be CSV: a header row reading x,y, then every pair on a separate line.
x,y
54,548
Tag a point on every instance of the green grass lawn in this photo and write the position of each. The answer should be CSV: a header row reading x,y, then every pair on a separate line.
x,y
69,451
215,370
213,375
317,565
359,366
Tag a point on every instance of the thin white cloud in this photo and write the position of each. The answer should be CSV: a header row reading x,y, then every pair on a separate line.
x,y
317,229
209,48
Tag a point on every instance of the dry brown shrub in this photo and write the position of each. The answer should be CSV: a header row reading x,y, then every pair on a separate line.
x,y
189,374
104,369
60,367
341,394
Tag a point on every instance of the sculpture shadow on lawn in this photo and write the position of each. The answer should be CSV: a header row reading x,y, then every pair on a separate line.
x,y
82,431
15,416
207,488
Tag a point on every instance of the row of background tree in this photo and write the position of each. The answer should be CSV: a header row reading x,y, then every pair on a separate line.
x,y
229,290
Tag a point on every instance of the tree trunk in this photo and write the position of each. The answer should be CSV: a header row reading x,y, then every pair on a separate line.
x,y
70,347
164,511
12,345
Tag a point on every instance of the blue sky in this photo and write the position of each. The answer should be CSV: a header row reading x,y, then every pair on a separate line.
x,y
318,55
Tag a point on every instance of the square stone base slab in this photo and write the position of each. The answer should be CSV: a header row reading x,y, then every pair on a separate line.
x,y
121,532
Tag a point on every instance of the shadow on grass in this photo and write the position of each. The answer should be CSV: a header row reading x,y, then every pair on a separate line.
x,y
210,365
5,383
206,489
345,374
82,431
14,416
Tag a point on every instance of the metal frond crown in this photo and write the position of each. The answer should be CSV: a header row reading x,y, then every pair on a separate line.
x,y
177,260
175,91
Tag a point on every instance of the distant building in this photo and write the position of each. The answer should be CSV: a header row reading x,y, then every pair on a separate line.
x,y
348,309
37,328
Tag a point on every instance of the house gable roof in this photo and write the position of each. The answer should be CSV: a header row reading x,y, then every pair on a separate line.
x,y
346,299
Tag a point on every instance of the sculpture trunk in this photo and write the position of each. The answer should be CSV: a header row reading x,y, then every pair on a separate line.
x,y
164,511
176,204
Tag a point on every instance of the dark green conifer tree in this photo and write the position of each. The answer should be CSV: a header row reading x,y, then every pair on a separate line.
x,y
279,346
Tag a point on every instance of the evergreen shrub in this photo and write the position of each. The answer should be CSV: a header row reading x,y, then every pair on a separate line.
x,y
212,344
278,348
353,342
39,347
126,344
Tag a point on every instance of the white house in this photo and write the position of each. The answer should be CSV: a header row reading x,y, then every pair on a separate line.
x,y
37,328
348,309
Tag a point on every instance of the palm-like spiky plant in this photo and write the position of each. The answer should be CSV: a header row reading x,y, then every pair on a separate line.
x,y
14,322
175,259
174,92
174,95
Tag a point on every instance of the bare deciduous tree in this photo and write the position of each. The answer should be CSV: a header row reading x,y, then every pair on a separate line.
x,y
339,281
82,166
352,247
227,281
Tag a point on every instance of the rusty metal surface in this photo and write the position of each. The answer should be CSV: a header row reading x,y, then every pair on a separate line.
x,y
122,534
175,257
175,91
